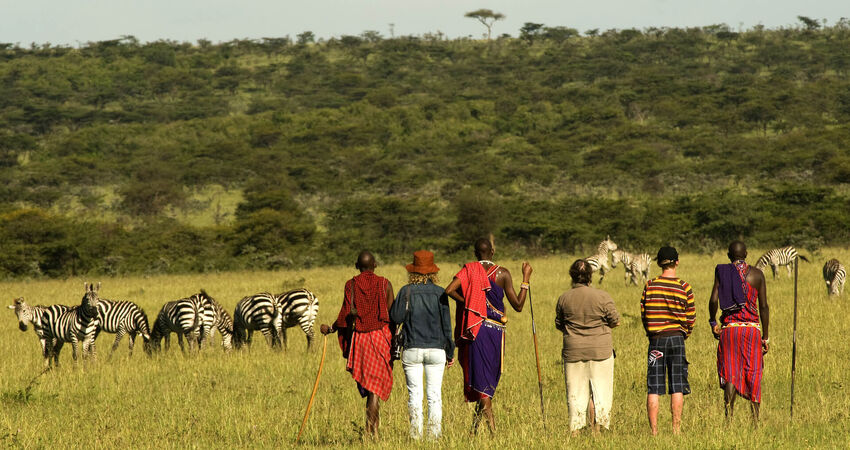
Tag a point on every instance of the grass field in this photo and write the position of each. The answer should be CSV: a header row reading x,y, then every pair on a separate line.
x,y
257,398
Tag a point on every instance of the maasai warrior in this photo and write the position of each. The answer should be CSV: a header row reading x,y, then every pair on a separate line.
x,y
480,288
365,313
741,292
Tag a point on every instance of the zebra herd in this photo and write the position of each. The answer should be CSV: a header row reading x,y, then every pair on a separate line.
x,y
637,265
197,318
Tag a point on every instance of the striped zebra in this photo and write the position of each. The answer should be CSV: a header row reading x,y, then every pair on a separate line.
x,y
783,256
183,317
38,316
76,325
834,275
639,268
120,318
626,258
297,307
214,317
599,261
257,312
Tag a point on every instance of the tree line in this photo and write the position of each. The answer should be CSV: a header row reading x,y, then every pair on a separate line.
x,y
549,140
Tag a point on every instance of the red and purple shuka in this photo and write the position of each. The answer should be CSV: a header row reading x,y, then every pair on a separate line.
x,y
369,355
739,355
479,330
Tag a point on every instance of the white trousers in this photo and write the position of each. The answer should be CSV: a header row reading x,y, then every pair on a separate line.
x,y
431,361
582,377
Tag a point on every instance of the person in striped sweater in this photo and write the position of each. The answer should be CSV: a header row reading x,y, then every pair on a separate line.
x,y
668,313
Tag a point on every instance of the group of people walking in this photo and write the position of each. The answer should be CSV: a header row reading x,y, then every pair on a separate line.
x,y
371,314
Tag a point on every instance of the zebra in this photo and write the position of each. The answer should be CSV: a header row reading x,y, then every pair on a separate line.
x,y
78,324
297,307
257,312
626,258
834,275
213,317
599,261
782,256
183,317
38,316
639,267
120,318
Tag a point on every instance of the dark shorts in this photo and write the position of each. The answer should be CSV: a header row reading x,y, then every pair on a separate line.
x,y
666,356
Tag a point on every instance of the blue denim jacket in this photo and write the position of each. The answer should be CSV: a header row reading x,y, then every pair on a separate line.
x,y
427,322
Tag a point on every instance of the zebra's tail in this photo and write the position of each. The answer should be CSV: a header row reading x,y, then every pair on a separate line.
x,y
803,258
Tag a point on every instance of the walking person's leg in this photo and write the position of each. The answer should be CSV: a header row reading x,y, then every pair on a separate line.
x,y
602,385
411,361
655,381
435,366
578,393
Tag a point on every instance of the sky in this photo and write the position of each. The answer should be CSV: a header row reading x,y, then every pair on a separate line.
x,y
75,22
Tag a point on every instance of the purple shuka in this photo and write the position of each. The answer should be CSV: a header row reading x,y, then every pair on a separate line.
x,y
481,359
730,287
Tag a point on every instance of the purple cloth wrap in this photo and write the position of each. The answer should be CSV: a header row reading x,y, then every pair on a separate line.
x,y
730,287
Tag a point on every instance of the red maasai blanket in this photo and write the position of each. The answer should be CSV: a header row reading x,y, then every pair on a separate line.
x,y
739,357
474,283
369,361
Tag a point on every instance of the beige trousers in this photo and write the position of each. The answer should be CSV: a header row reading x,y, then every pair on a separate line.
x,y
582,377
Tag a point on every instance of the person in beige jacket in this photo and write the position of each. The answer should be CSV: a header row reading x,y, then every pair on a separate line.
x,y
586,316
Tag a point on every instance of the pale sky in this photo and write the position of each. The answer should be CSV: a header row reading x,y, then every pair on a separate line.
x,y
72,22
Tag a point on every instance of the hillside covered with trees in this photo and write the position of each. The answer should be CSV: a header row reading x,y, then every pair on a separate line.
x,y
128,157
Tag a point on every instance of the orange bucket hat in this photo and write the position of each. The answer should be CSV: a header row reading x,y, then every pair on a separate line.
x,y
423,262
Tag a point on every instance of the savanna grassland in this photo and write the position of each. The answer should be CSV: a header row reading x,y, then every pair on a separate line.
x,y
256,398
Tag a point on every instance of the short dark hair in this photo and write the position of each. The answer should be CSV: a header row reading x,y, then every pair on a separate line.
x,y
737,250
581,272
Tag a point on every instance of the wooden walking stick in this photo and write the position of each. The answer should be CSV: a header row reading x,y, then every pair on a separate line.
x,y
537,357
794,339
315,387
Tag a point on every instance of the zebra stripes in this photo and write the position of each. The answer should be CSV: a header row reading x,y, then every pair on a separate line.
x,y
299,307
258,312
599,261
635,265
783,256
182,317
75,325
834,275
120,318
39,316
215,317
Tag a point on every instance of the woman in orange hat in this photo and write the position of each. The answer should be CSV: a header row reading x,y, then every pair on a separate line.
x,y
422,308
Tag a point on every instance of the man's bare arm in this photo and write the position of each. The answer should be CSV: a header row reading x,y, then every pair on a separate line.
x,y
764,309
713,303
452,290
516,301
390,296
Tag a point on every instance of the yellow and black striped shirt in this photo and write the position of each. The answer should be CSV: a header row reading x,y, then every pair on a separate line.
x,y
667,307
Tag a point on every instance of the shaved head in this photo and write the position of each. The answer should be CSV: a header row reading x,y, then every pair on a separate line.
x,y
483,248
365,261
737,251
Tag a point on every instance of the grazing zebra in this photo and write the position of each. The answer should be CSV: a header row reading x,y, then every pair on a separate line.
x,y
639,268
215,317
76,325
834,275
257,312
122,318
599,261
183,317
782,256
38,316
625,257
297,307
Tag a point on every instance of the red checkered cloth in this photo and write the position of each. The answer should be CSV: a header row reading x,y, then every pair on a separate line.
x,y
369,361
370,299
739,357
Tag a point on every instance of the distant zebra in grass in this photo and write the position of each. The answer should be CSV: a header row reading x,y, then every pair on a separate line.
x,y
39,316
834,275
260,312
120,318
76,325
783,256
599,261
183,317
297,307
214,317
639,268
620,255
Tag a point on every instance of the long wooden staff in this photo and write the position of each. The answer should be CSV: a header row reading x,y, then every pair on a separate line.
x,y
537,357
315,387
794,339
